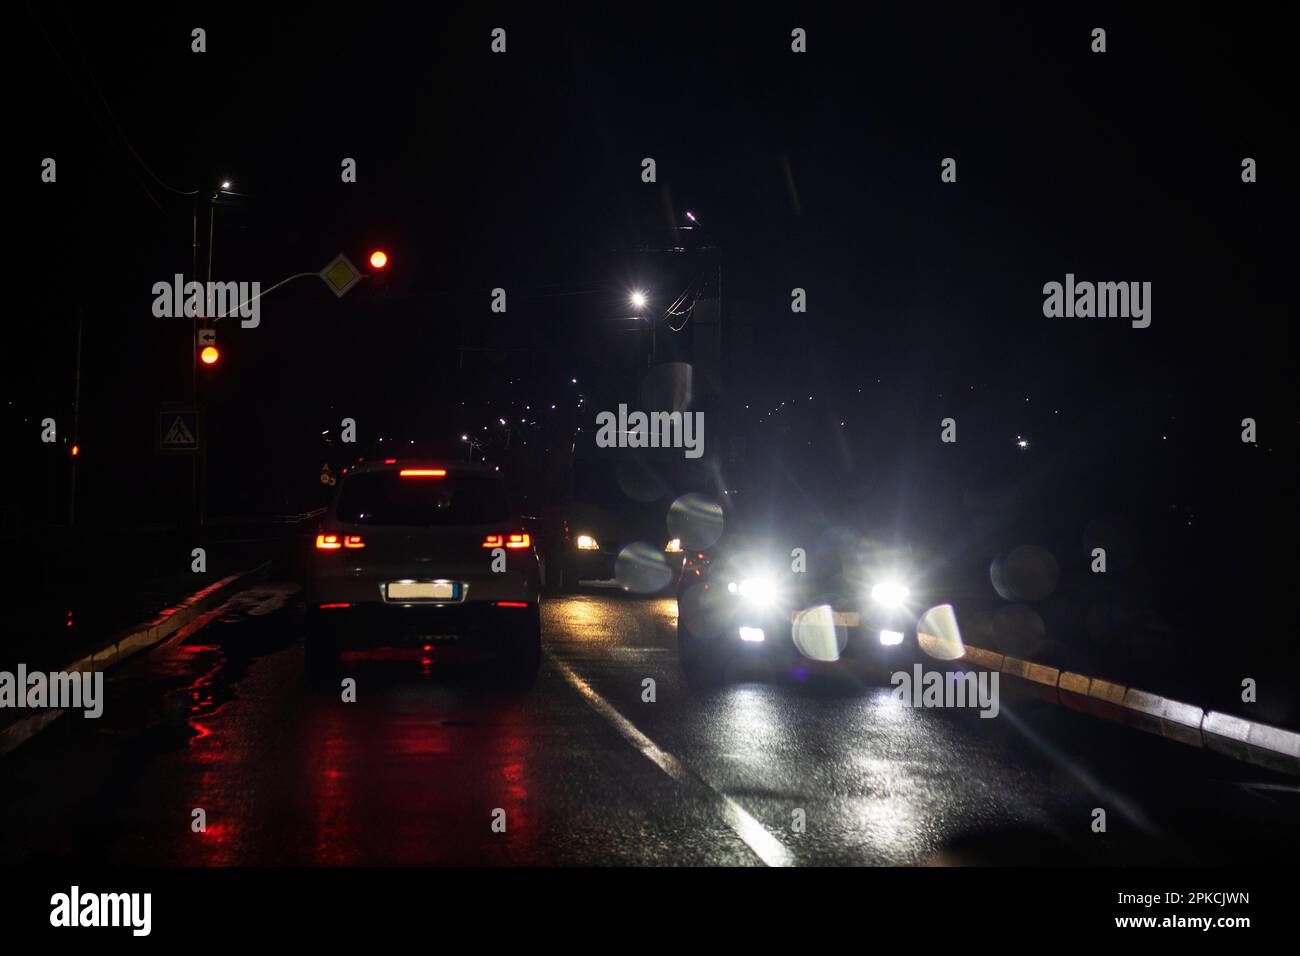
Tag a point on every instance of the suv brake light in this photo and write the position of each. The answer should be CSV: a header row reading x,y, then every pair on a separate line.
x,y
326,541
512,541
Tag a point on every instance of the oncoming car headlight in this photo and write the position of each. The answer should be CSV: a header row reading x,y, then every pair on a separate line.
x,y
889,593
759,591
587,543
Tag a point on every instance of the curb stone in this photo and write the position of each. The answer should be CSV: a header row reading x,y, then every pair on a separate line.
x,y
125,645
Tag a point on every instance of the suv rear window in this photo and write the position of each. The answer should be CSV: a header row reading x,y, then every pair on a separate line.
x,y
386,498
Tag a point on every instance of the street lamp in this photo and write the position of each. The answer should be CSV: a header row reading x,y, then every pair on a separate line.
x,y
637,298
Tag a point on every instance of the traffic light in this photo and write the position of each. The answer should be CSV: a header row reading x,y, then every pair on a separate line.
x,y
378,259
208,352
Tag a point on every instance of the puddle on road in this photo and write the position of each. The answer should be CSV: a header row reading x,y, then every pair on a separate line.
x,y
257,622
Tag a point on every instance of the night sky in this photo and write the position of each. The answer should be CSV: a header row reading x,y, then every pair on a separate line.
x,y
818,171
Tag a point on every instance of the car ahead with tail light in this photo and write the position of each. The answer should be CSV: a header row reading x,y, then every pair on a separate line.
x,y
607,517
589,545
421,554
796,598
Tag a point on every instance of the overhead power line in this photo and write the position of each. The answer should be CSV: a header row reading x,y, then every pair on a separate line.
x,y
116,126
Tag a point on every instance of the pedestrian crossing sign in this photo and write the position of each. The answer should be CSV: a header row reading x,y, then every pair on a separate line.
x,y
178,431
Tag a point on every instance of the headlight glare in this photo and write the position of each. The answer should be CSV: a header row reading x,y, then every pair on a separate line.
x,y
889,593
759,592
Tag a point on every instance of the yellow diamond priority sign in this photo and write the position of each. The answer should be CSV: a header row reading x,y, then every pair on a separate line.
x,y
340,275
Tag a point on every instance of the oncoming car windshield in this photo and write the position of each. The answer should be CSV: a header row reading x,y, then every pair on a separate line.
x,y
388,498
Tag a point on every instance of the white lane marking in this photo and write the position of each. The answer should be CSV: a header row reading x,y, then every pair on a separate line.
x,y
755,836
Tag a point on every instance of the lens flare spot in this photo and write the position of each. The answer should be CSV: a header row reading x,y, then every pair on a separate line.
x,y
696,520
816,636
641,567
939,635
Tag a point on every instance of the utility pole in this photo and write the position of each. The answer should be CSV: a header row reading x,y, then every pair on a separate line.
x,y
194,359
76,425
204,435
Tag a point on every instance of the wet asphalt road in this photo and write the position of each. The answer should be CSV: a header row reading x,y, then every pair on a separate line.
x,y
221,718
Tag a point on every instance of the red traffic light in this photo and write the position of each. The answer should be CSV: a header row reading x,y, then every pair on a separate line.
x,y
209,355
378,259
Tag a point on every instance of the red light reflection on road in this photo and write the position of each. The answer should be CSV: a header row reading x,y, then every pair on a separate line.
x,y
413,771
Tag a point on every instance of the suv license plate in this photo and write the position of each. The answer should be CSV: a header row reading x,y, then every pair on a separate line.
x,y
423,590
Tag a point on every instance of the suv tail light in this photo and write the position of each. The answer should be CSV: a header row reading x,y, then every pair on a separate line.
x,y
327,541
512,541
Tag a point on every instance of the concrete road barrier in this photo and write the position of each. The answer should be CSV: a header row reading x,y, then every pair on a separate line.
x,y
1038,679
982,658
1261,744
1162,716
1072,690
1236,737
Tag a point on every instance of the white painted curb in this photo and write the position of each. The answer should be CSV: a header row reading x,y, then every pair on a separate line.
x,y
1248,740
